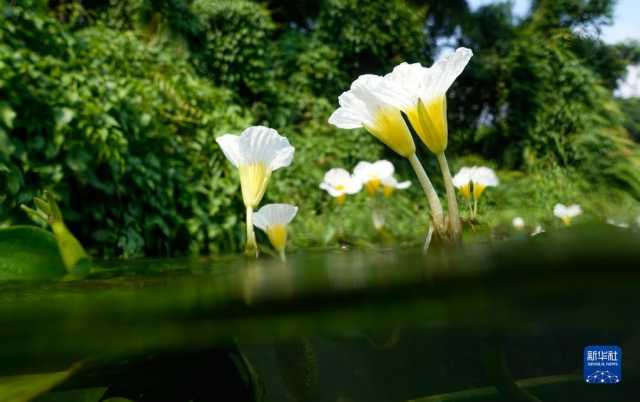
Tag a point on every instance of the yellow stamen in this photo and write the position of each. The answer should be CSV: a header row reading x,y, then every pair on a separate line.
x,y
566,220
341,198
390,128
466,191
372,186
388,190
429,120
253,180
477,190
278,237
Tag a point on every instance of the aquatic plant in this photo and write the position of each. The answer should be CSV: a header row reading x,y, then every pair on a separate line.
x,y
257,152
420,92
273,220
364,106
567,213
48,213
472,181
339,182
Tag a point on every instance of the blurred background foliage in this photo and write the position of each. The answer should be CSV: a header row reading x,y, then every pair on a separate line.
x,y
115,105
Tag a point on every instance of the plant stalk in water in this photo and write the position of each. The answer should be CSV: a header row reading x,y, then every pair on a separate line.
x,y
251,247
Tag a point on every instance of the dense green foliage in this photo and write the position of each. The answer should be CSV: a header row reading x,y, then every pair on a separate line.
x,y
115,106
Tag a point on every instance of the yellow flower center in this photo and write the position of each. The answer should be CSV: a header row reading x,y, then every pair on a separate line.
x,y
388,190
466,190
429,120
390,128
372,186
253,180
341,198
478,189
566,220
277,236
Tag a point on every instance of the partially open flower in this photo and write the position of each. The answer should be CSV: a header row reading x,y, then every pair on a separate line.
x,y
566,213
482,178
518,223
257,152
462,181
391,184
474,180
338,183
422,95
363,106
273,220
372,174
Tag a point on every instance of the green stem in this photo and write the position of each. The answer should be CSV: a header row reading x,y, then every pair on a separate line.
x,y
251,247
437,215
452,202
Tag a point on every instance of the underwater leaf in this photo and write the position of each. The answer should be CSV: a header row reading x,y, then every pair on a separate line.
x,y
23,388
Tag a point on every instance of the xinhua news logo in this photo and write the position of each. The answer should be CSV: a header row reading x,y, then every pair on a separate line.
x,y
602,364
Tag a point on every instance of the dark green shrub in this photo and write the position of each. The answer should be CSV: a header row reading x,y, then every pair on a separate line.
x,y
236,46
122,132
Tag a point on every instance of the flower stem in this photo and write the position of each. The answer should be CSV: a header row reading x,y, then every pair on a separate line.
x,y
251,247
452,202
432,197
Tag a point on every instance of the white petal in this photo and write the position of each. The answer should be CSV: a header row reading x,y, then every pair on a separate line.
x,y
447,69
274,214
409,79
463,177
560,210
263,144
336,176
485,176
359,105
229,145
346,118
574,210
353,186
403,185
363,171
383,168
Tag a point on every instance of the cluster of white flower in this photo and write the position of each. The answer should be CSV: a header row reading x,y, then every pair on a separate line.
x,y
258,152
472,181
339,182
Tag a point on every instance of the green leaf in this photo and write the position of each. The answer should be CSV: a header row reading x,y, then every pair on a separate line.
x,y
7,115
63,117
23,388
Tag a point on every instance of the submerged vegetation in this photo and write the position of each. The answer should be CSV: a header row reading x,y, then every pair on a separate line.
x,y
116,107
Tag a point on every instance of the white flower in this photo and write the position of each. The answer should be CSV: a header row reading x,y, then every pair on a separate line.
x,y
566,213
372,174
390,184
257,152
421,93
462,181
474,180
338,182
539,229
518,223
273,220
363,106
